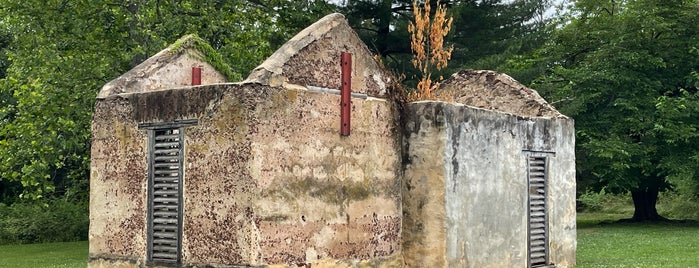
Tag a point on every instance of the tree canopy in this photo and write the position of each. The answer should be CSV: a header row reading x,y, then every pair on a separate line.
x,y
627,72
485,34
56,56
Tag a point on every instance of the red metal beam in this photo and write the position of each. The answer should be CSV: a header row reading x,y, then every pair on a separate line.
x,y
345,93
196,76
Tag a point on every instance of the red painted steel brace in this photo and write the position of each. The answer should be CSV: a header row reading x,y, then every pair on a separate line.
x,y
196,76
345,92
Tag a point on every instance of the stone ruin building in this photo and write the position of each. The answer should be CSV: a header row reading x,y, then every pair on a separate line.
x,y
191,170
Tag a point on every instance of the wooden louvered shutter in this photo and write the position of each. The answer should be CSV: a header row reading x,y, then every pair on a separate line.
x,y
165,196
538,218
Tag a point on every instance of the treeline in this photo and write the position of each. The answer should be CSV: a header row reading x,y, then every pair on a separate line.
x,y
625,70
57,54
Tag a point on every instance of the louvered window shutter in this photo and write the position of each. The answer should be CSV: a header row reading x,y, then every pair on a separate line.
x,y
165,196
538,218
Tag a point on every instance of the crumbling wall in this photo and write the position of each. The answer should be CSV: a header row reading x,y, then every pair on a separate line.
x,y
267,178
324,196
491,90
480,195
163,71
312,58
117,182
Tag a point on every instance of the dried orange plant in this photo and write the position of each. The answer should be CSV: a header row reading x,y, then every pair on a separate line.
x,y
427,42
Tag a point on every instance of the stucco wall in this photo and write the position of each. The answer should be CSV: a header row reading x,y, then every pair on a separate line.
x,y
118,179
164,70
117,182
267,179
313,55
423,184
480,195
325,196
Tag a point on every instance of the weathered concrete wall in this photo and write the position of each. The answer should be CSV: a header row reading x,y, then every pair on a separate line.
x,y
267,180
312,58
491,90
324,196
424,214
479,196
117,182
167,69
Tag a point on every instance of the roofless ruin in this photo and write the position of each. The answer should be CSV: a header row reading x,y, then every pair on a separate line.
x,y
190,170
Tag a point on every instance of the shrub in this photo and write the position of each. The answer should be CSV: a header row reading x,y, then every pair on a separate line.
x,y
605,202
678,205
56,221
590,201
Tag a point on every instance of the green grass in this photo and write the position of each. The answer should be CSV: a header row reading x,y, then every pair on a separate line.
x,y
601,243
647,245
54,255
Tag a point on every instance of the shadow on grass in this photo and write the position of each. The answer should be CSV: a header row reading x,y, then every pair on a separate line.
x,y
591,220
667,221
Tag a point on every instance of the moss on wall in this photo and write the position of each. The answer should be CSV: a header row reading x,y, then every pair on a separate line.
x,y
208,55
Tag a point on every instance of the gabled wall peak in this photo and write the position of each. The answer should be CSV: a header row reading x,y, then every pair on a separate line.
x,y
312,58
171,68
496,91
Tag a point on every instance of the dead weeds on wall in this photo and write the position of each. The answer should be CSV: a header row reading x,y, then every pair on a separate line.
x,y
427,34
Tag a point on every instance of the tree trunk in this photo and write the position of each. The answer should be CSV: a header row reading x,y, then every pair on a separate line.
x,y
644,201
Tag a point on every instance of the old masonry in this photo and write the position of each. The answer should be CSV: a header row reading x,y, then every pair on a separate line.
x,y
257,173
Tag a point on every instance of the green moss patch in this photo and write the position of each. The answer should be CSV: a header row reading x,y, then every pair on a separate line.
x,y
208,54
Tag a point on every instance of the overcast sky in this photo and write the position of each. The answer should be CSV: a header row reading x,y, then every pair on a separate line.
x,y
550,12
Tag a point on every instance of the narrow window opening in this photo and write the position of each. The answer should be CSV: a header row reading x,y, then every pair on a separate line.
x,y
165,183
165,195
538,216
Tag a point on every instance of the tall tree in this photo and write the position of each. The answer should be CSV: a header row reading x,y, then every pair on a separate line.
x,y
61,52
5,39
488,32
292,16
485,34
626,71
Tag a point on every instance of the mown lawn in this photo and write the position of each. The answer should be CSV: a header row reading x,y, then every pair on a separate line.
x,y
47,255
610,244
666,245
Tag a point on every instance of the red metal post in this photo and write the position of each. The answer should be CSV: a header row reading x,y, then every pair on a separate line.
x,y
345,93
196,76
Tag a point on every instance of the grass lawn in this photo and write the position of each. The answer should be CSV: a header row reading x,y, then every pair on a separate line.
x,y
610,244
54,255
666,245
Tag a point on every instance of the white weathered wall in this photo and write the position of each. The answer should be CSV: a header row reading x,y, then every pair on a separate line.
x,y
480,196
